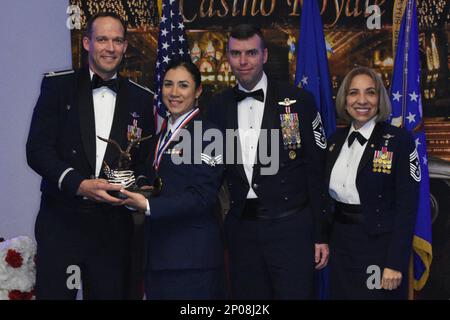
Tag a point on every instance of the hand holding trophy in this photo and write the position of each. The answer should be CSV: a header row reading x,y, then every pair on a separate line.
x,y
123,175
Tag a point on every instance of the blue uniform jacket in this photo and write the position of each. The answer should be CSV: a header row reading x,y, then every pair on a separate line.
x,y
62,136
62,132
298,180
183,231
389,200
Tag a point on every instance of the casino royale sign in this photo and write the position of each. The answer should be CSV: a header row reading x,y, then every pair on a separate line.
x,y
199,14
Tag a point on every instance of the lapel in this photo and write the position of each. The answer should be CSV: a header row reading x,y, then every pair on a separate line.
x,y
232,115
87,117
232,123
334,150
121,117
269,121
375,137
270,111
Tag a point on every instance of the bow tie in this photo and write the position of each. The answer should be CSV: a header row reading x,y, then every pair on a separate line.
x,y
98,82
241,95
356,135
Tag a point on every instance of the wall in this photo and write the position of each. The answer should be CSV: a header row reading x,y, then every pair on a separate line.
x,y
34,40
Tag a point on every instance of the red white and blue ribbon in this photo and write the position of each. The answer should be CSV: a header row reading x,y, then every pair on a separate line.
x,y
161,147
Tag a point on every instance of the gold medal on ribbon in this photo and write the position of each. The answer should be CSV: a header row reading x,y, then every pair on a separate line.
x,y
382,160
292,154
290,131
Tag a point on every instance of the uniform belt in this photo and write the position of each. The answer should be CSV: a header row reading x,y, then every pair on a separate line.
x,y
348,213
253,210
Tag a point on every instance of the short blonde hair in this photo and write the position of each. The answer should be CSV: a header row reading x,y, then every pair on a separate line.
x,y
384,104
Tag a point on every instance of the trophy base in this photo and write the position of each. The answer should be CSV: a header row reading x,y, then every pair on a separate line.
x,y
132,188
145,192
117,194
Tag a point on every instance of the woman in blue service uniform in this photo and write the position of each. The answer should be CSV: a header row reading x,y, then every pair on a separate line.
x,y
184,246
373,177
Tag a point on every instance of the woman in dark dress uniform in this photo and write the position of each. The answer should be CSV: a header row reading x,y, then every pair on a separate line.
x,y
185,253
373,177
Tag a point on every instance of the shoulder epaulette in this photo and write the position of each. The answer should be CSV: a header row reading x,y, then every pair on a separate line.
x,y
140,86
58,73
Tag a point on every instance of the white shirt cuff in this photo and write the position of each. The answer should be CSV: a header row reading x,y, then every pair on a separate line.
x,y
61,177
147,212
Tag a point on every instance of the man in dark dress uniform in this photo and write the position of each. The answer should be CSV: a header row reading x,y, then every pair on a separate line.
x,y
78,230
274,229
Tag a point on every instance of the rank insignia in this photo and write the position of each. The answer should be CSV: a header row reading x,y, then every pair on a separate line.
x,y
319,132
382,160
58,73
290,130
212,161
414,166
134,132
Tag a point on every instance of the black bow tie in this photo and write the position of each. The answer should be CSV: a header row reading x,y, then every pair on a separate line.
x,y
98,82
356,135
241,95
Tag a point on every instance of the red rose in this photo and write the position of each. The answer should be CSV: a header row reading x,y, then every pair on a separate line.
x,y
15,295
27,295
19,295
14,258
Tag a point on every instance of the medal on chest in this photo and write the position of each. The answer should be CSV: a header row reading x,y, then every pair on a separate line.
x,y
134,132
290,130
382,160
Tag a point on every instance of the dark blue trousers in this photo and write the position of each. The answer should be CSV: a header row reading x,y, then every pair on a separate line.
x,y
271,258
95,241
186,284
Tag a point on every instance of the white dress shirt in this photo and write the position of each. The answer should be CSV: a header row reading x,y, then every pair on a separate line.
x,y
104,106
342,186
250,115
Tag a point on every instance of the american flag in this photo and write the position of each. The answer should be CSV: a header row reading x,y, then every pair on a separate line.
x,y
172,44
407,112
